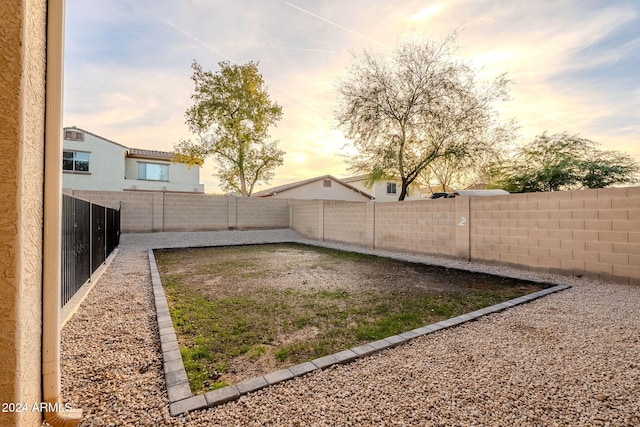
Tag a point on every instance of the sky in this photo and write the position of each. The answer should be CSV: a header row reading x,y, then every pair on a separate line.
x,y
574,65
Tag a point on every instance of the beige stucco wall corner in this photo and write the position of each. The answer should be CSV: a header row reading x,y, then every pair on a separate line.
x,y
22,116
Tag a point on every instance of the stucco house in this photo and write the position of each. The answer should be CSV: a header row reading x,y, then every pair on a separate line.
x,y
92,162
324,187
387,190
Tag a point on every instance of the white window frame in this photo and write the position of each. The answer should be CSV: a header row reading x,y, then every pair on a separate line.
x,y
75,160
392,188
144,165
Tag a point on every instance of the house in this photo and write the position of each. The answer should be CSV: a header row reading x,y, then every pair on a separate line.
x,y
324,187
387,190
92,162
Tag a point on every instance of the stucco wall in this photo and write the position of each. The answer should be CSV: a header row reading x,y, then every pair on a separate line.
x,y
106,165
181,177
22,91
379,190
317,191
110,170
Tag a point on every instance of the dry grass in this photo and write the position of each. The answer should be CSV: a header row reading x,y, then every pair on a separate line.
x,y
248,310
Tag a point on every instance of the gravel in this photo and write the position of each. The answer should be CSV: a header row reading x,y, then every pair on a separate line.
x,y
569,359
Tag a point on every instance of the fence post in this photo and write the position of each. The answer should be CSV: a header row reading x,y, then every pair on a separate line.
x,y
370,225
232,212
90,240
321,220
105,235
462,231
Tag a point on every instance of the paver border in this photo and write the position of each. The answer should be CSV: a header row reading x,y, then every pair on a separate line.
x,y
181,399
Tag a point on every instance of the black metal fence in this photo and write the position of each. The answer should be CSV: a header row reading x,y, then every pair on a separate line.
x,y
89,234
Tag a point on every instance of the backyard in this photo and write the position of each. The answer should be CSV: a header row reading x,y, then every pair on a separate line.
x,y
244,311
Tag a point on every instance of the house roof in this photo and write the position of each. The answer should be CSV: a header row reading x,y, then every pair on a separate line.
x,y
94,134
149,154
365,177
131,152
292,185
354,178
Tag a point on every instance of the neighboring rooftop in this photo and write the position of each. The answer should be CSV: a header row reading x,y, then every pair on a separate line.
x,y
275,190
131,152
75,128
149,154
354,178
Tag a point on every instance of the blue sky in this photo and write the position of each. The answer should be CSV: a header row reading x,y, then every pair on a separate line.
x,y
575,65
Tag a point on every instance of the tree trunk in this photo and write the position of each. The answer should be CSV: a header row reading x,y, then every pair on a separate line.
x,y
243,185
403,191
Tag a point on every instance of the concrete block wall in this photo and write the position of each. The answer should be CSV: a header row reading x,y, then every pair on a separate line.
x,y
348,222
592,233
262,213
307,218
144,212
110,199
139,217
189,212
422,226
139,208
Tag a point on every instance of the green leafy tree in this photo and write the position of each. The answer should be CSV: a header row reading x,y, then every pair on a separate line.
x,y
405,111
564,162
231,115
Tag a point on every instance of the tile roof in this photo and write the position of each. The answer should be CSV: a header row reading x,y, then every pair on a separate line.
x,y
131,152
149,154
354,178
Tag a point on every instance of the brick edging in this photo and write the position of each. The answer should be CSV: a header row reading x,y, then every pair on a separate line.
x,y
181,399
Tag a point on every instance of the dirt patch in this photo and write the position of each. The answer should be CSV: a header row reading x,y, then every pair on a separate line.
x,y
246,311
217,271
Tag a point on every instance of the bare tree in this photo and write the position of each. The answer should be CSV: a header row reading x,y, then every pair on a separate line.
x,y
472,167
403,112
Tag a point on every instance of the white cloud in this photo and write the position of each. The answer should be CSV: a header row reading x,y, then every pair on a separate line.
x,y
134,87
427,13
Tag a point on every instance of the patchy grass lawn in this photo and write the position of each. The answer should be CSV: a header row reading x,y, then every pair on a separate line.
x,y
245,311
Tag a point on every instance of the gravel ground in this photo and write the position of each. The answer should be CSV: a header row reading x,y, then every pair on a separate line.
x,y
569,359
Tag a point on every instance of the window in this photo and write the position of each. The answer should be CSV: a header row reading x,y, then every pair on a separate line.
x,y
73,135
391,188
326,183
153,172
75,161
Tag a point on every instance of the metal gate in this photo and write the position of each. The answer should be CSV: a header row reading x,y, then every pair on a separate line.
x,y
90,233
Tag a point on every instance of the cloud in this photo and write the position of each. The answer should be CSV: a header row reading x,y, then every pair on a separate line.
x,y
134,106
574,64
427,13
